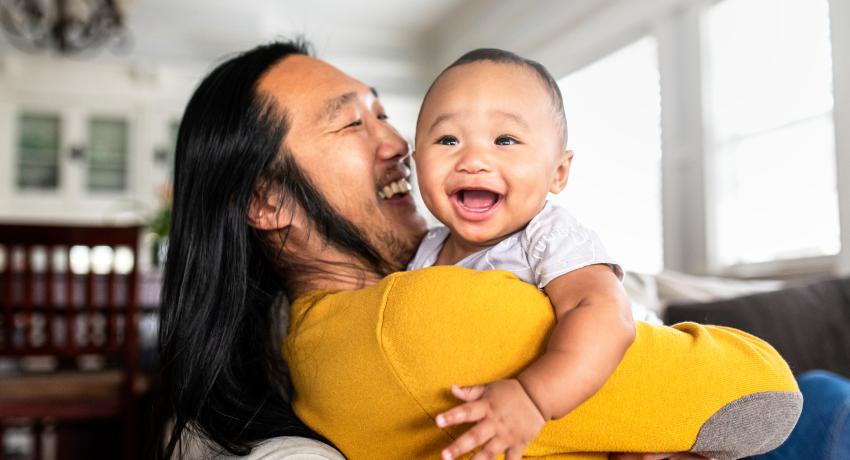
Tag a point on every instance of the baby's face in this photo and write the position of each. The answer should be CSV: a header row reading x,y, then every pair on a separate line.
x,y
488,149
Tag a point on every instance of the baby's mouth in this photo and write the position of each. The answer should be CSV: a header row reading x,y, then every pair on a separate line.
x,y
399,187
476,204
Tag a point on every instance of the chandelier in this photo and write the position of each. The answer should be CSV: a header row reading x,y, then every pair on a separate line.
x,y
66,26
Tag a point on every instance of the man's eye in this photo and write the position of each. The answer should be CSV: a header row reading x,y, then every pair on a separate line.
x,y
383,116
506,140
448,140
354,123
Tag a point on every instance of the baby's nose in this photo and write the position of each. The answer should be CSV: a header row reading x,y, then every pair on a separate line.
x,y
473,161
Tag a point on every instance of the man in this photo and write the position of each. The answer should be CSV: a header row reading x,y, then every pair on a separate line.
x,y
289,177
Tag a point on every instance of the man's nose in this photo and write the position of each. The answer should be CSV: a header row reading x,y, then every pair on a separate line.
x,y
473,160
390,143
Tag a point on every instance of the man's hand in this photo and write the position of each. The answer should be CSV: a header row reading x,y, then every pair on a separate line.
x,y
507,420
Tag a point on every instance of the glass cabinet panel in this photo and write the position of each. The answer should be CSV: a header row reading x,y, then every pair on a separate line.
x,y
38,152
107,155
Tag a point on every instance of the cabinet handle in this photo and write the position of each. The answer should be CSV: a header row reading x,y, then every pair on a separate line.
x,y
78,153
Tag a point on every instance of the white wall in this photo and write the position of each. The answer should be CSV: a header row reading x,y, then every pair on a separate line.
x,y
563,36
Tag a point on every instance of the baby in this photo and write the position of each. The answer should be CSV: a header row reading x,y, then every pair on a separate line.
x,y
490,145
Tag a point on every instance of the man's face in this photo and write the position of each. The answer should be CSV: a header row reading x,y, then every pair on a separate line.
x,y
340,138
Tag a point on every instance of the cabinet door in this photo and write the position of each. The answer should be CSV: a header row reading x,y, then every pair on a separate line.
x,y
70,164
106,156
79,161
37,152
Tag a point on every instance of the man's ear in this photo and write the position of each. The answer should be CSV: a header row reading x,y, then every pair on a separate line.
x,y
562,173
266,212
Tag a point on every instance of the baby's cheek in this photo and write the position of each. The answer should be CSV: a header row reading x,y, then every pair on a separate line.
x,y
428,176
530,179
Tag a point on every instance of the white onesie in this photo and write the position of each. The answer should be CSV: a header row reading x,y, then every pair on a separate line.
x,y
552,244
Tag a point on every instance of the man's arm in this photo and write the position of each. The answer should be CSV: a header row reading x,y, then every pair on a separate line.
x,y
710,390
373,367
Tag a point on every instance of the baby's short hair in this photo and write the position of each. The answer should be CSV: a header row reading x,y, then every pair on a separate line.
x,y
506,57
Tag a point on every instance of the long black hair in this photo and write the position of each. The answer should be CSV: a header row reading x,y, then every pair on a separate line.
x,y
222,369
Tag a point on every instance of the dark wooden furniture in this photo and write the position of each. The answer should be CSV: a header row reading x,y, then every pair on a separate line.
x,y
81,323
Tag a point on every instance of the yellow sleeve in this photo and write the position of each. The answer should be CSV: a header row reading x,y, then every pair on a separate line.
x,y
372,368
711,390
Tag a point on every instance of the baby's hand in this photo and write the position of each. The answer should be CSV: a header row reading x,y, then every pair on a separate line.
x,y
507,420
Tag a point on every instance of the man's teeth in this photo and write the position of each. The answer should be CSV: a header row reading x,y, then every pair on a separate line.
x,y
398,187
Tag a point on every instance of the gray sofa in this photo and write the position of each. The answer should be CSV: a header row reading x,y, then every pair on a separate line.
x,y
809,325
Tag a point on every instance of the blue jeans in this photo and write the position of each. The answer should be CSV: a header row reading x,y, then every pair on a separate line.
x,y
823,432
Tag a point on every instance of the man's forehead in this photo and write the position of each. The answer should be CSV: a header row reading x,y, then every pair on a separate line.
x,y
299,80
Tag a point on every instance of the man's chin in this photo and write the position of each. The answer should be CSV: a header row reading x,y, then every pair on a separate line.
x,y
405,227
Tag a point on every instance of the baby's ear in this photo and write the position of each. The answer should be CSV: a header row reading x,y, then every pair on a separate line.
x,y
562,172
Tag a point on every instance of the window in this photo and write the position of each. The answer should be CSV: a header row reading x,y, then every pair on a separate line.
x,y
614,113
768,99
38,151
107,161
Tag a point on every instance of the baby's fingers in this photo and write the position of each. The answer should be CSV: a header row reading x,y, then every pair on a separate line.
x,y
465,413
474,437
468,393
514,453
491,450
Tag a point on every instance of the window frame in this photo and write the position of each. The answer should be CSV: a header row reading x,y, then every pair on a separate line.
x,y
688,169
814,265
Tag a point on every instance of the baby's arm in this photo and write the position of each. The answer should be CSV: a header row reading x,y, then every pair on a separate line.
x,y
593,331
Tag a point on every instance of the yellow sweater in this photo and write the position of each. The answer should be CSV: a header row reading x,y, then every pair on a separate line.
x,y
373,367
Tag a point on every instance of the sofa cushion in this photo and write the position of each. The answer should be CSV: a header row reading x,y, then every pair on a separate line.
x,y
808,325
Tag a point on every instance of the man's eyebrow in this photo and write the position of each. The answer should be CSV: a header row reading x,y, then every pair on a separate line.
x,y
516,118
374,91
332,106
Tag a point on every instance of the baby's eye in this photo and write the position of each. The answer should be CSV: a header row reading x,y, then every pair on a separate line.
x,y
448,140
505,140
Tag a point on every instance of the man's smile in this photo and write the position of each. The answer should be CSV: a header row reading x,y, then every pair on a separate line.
x,y
398,187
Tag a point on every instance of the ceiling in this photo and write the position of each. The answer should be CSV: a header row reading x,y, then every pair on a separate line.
x,y
206,29
376,40
394,45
